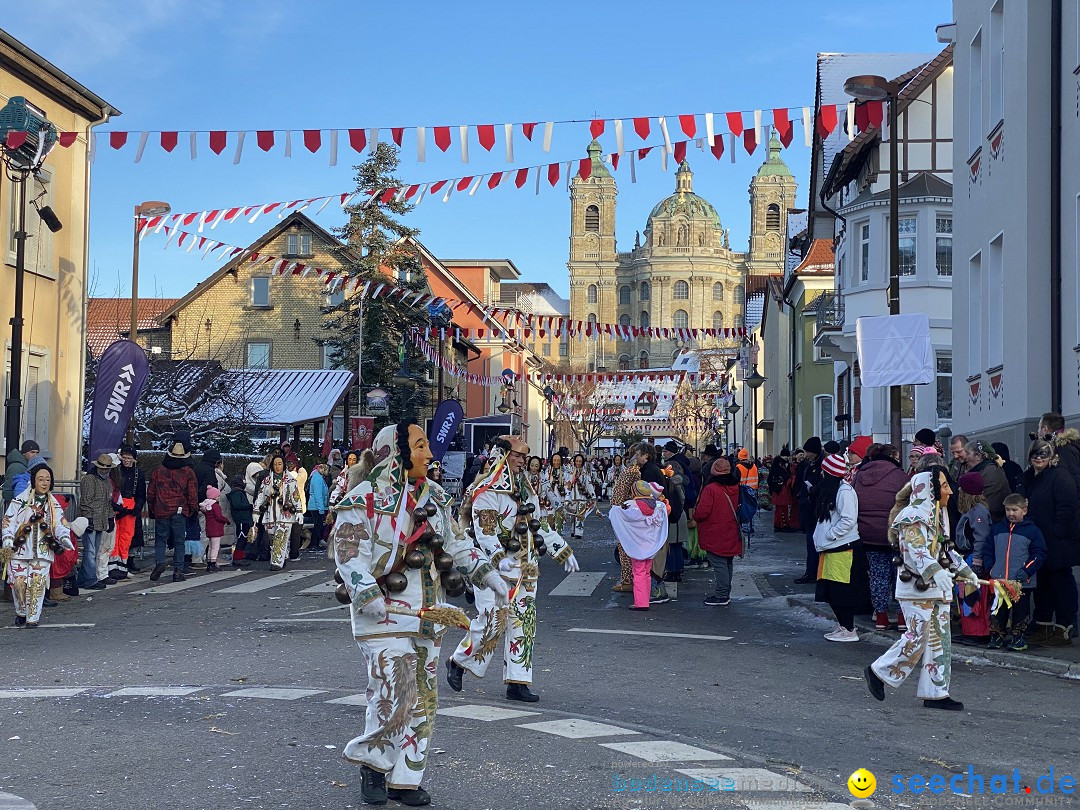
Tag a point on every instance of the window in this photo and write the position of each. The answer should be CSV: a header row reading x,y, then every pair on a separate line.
x,y
644,319
258,354
592,219
592,318
624,320
738,321
772,218
997,64
995,303
644,296
564,348
943,232
823,416
680,319
546,350
718,291
624,295
975,92
718,320
591,295
624,362
740,295
39,239
260,291
944,386
681,291
643,360
908,236
975,305
864,252
35,393
298,244
331,357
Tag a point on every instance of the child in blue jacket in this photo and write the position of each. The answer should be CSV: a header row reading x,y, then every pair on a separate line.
x,y
1015,550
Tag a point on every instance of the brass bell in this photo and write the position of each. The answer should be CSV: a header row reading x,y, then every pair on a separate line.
x,y
415,559
528,508
521,528
427,534
513,545
534,525
454,583
341,593
419,515
541,549
396,582
337,576
435,544
906,576
432,510
444,562
897,560
921,584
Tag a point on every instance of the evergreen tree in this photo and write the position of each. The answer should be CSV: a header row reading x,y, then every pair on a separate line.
x,y
377,248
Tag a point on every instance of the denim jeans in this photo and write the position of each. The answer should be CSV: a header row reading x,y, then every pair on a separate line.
x,y
721,567
88,561
173,527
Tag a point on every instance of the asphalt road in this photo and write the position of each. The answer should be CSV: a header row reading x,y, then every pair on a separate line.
x,y
155,706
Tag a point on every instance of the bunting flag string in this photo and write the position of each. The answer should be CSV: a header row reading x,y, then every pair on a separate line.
x,y
449,366
510,322
694,378
364,139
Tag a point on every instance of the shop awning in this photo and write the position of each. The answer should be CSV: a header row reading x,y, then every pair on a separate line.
x,y
285,397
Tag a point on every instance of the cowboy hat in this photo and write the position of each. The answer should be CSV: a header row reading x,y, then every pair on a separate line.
x,y
104,461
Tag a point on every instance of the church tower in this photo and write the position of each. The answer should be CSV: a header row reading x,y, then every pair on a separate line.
x,y
593,260
772,193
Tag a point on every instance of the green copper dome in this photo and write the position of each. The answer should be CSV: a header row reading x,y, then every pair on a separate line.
x,y
596,152
774,165
684,201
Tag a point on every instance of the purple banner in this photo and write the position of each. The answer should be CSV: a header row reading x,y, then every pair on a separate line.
x,y
445,425
121,377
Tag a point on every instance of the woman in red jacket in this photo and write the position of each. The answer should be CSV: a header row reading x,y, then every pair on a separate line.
x,y
718,527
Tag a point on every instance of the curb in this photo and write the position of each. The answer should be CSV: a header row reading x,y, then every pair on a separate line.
x,y
1018,661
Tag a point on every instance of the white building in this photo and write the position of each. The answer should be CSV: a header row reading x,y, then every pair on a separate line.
x,y
856,186
1016,341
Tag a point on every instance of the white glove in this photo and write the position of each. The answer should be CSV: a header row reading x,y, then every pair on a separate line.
x,y
944,580
506,565
571,564
970,578
376,607
494,583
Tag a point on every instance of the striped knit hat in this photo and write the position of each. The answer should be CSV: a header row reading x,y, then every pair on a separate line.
x,y
835,465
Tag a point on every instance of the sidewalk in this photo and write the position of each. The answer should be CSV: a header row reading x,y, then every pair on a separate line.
x,y
1060,661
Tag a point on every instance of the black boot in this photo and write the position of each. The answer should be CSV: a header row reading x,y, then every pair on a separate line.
x,y
874,684
411,797
946,703
454,674
520,691
131,567
372,786
159,569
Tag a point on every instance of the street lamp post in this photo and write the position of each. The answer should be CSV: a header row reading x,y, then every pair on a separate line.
x,y
152,208
733,409
878,88
754,382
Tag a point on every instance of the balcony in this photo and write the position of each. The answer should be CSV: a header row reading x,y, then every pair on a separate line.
x,y
830,312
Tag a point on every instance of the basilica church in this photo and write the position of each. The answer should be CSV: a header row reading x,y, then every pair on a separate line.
x,y
681,272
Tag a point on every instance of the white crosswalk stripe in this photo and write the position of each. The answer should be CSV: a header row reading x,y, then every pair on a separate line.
x,y
745,779
156,691
272,581
664,751
190,582
485,713
36,693
575,728
270,693
579,583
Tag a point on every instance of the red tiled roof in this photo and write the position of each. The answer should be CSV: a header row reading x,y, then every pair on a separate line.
x,y
108,319
819,259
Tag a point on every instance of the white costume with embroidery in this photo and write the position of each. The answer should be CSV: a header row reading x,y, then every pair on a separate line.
x,y
277,506
510,632
33,530
373,531
580,498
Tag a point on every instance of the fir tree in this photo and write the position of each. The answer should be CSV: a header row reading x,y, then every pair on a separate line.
x,y
377,248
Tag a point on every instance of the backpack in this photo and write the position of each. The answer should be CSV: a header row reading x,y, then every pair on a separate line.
x,y
748,505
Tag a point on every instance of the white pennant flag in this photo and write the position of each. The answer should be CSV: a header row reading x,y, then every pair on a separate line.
x,y
420,194
193,145
333,147
421,144
849,124
142,145
538,179
508,134
633,167
757,127
288,143
548,127
731,146
475,185
373,139
710,133
667,137
619,136
808,132
239,147
663,158
449,189
463,136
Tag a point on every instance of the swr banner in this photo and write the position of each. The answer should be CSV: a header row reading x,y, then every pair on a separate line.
x,y
121,376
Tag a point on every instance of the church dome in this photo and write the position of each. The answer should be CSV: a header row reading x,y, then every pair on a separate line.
x,y
684,201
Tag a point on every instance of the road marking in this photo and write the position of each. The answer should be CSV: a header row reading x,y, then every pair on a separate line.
x,y
646,633
156,691
579,583
746,779
304,620
271,693
58,692
789,804
191,582
57,626
350,700
664,751
264,583
485,713
319,610
745,587
575,728
9,801
322,588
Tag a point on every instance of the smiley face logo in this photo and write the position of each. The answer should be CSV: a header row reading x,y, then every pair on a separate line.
x,y
862,783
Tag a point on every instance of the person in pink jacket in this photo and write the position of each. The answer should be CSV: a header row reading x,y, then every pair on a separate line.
x,y
215,525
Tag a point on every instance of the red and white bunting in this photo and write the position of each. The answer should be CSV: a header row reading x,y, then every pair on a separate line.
x,y
450,367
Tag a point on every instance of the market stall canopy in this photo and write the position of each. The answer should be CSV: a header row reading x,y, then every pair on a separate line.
x,y
285,397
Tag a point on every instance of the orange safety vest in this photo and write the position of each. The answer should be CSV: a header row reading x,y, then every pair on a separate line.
x,y
748,476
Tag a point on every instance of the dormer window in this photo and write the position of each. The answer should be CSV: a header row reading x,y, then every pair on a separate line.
x,y
298,244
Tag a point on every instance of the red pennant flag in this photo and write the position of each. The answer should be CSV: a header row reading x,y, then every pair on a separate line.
x,y
16,139
494,180
463,183
528,129
734,122
116,139
411,192
597,127
218,140
585,168
615,161
396,133
68,138
553,173
679,151
486,135
520,177
479,333
750,140
169,140
641,153
718,147
641,127
875,112
437,187
357,139
826,121
784,129
265,139
688,124
442,138
862,118
387,195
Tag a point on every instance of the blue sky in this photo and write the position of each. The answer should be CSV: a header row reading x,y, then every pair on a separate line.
x,y
210,64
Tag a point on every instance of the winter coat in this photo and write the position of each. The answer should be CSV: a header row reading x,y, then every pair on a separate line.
x,y
1067,444
1014,551
652,473
807,477
215,518
318,493
779,473
995,487
676,503
205,476
876,484
16,465
1052,503
1014,474
133,485
690,489
973,530
251,473
717,526
842,527
96,500
240,507
171,490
